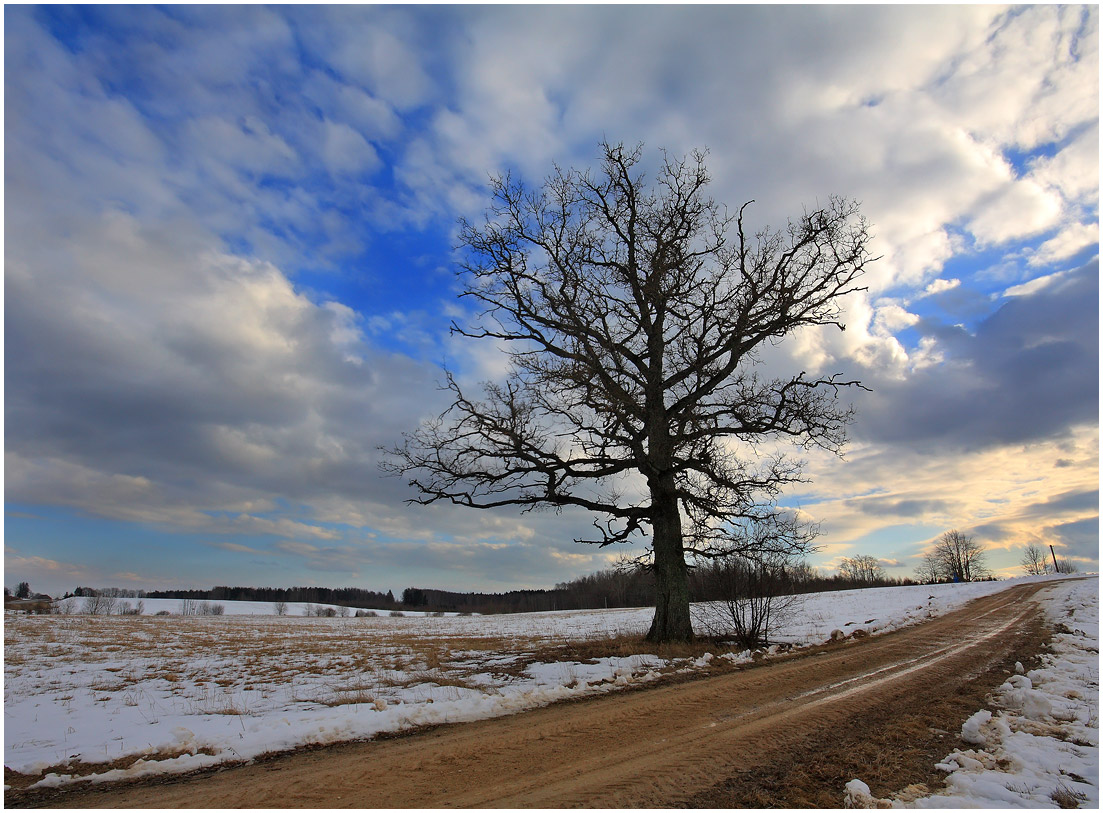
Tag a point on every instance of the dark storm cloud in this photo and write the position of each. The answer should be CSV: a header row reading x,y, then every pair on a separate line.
x,y
1069,501
1081,538
1030,372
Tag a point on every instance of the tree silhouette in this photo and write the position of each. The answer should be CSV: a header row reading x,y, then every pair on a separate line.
x,y
862,568
633,316
1034,561
955,557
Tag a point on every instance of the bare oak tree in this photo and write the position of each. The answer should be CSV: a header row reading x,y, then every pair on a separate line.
x,y
633,315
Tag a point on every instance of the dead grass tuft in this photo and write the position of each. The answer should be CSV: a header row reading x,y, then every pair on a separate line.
x,y
1067,798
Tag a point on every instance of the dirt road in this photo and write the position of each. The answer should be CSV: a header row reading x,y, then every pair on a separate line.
x,y
705,742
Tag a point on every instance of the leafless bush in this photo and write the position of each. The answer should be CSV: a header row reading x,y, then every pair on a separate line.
x,y
343,612
755,601
162,612
126,609
397,614
190,606
280,607
366,614
1067,566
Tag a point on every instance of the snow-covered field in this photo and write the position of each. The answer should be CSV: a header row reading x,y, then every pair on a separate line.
x,y
101,698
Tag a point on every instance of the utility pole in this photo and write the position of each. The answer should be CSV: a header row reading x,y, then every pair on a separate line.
x,y
1054,555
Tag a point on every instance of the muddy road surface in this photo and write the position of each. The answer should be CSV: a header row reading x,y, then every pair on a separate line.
x,y
882,708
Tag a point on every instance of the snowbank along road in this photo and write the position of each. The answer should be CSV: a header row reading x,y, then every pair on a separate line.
x,y
699,742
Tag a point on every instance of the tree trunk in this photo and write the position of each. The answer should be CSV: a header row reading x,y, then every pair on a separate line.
x,y
672,621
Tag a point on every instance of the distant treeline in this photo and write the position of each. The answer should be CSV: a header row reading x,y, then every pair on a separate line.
x,y
341,596
622,588
607,588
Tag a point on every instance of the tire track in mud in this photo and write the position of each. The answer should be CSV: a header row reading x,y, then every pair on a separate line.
x,y
656,747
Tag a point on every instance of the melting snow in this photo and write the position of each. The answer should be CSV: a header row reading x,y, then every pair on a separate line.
x,y
173,694
1040,745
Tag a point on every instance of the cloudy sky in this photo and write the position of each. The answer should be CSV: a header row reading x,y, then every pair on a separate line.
x,y
228,268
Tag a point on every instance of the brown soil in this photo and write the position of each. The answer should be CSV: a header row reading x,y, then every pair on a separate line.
x,y
787,734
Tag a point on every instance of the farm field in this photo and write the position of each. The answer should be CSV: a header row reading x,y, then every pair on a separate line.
x,y
106,698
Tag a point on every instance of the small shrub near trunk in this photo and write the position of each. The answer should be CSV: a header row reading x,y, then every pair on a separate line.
x,y
755,599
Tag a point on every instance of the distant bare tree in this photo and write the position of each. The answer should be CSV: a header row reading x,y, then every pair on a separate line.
x,y
802,572
1034,561
955,557
862,568
635,313
280,607
926,572
99,605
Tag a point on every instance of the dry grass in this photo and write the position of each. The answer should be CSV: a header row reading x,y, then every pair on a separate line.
x,y
1067,798
235,651
623,646
227,664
